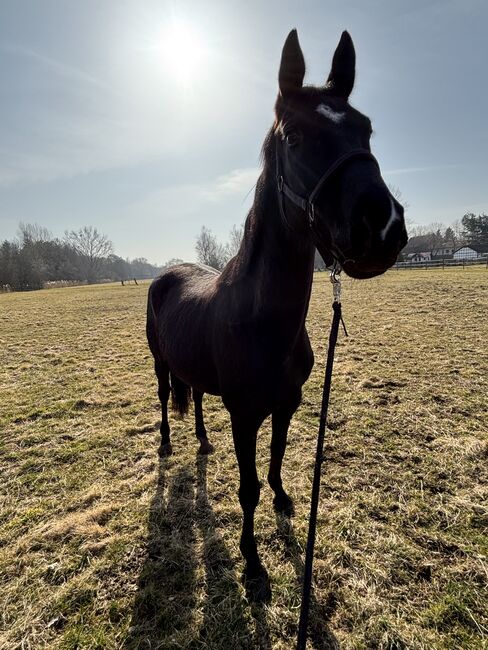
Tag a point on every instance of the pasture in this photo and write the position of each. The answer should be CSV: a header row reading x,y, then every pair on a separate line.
x,y
104,546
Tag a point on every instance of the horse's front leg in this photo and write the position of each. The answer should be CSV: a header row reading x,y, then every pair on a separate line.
x,y
280,423
244,431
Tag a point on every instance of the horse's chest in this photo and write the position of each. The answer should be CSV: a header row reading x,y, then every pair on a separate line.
x,y
260,358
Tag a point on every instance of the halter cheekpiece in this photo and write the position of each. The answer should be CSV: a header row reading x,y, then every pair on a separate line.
x,y
307,204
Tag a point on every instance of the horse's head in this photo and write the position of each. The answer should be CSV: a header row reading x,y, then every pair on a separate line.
x,y
326,174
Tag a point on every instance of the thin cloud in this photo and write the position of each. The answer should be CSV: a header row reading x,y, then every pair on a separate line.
x,y
236,182
419,170
57,66
224,194
86,147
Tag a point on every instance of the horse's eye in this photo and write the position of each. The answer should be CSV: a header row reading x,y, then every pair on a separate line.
x,y
292,139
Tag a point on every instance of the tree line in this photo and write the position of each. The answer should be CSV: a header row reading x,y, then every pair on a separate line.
x,y
471,230
36,258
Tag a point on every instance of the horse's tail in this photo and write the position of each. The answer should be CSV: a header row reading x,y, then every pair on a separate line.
x,y
180,395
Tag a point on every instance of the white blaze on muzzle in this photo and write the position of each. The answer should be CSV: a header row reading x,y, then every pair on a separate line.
x,y
394,216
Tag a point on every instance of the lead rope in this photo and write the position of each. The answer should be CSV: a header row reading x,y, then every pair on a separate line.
x,y
312,526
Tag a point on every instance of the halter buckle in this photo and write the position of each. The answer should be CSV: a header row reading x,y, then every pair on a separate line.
x,y
280,183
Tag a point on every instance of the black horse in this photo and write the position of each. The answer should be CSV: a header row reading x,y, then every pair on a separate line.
x,y
241,333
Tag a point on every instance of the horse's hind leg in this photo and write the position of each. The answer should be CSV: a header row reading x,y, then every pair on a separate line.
x,y
162,373
280,422
205,446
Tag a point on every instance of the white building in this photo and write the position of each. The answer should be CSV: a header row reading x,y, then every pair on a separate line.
x,y
466,253
419,257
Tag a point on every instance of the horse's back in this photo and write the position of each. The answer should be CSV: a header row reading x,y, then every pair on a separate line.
x,y
182,275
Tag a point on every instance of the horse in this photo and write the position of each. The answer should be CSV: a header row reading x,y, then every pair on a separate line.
x,y
240,333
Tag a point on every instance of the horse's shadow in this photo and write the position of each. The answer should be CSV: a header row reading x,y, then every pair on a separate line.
x,y
167,611
183,539
166,590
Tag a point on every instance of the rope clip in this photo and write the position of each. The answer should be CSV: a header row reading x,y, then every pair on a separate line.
x,y
335,278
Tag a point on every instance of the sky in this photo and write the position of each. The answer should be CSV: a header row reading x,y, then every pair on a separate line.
x,y
145,118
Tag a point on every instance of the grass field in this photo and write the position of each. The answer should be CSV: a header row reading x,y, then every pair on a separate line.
x,y
103,546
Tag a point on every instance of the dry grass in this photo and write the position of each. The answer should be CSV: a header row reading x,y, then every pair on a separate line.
x,y
103,546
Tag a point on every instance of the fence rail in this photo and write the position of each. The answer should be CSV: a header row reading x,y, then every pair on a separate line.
x,y
442,264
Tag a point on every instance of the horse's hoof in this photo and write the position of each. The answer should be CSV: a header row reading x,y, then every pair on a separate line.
x,y
284,505
165,450
205,447
257,585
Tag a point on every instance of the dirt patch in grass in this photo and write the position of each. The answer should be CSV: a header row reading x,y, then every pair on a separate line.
x,y
104,546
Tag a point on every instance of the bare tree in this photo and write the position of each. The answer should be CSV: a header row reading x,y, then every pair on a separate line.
x,y
458,230
32,261
174,261
418,230
397,194
433,235
33,233
235,239
92,247
209,251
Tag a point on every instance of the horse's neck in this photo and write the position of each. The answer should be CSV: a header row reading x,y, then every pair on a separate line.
x,y
276,260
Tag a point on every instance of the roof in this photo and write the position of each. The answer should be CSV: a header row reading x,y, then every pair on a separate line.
x,y
417,244
471,248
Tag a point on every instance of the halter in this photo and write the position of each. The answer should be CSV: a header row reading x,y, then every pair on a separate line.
x,y
307,204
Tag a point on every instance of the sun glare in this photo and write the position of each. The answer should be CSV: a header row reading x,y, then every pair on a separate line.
x,y
183,52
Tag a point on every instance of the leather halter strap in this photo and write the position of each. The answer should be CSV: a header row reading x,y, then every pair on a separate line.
x,y
307,204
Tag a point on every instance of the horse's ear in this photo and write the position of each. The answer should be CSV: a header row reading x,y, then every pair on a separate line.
x,y
343,71
292,68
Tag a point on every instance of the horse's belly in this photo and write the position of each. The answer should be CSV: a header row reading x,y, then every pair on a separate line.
x,y
202,382
189,358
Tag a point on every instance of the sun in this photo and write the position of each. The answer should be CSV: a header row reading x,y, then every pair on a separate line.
x,y
183,52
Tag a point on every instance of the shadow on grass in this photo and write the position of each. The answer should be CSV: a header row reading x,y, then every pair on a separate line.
x,y
168,612
226,612
319,633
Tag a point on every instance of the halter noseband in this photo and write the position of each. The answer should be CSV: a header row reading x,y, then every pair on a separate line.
x,y
307,204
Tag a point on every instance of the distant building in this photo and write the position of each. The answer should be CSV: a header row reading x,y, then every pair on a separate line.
x,y
444,251
417,244
419,257
466,253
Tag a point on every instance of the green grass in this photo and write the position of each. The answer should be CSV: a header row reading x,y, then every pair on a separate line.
x,y
103,546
